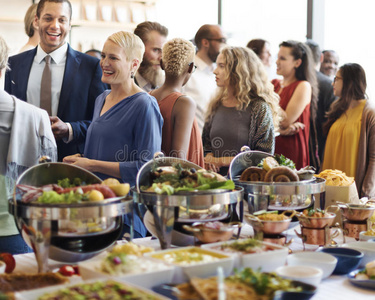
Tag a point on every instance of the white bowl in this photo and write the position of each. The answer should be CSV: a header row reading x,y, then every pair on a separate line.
x,y
365,237
2,267
196,268
306,274
324,261
268,260
161,274
368,250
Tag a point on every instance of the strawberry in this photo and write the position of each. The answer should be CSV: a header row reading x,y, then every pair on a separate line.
x,y
9,261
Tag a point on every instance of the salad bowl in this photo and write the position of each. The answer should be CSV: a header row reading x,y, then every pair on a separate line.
x,y
66,232
212,201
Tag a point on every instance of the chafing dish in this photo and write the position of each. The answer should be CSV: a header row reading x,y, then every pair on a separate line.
x,y
356,212
270,227
66,232
274,196
212,235
187,207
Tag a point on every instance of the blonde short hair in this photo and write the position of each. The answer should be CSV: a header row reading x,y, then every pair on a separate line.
x,y
177,54
131,43
4,54
29,20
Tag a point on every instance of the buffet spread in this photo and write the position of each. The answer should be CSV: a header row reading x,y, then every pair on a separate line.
x,y
239,238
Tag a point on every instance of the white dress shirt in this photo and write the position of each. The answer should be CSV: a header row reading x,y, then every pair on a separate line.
x,y
201,87
143,83
58,60
57,66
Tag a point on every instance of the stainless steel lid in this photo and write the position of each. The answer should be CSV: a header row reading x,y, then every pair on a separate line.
x,y
143,176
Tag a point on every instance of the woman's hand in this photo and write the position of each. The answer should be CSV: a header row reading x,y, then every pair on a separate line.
x,y
292,129
211,163
79,161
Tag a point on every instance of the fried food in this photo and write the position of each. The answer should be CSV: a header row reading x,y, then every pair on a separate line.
x,y
281,174
20,282
253,174
335,177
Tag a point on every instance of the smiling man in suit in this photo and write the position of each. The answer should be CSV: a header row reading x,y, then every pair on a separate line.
x,y
75,78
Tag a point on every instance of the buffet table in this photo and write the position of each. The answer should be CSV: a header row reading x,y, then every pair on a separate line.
x,y
334,287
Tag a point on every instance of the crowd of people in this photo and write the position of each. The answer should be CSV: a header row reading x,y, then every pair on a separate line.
x,y
109,111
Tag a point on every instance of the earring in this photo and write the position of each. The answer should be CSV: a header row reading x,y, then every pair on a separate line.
x,y
132,75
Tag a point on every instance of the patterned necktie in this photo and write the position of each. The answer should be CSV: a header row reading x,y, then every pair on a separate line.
x,y
45,87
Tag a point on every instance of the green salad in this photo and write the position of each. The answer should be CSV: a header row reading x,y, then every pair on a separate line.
x,y
264,283
172,179
282,160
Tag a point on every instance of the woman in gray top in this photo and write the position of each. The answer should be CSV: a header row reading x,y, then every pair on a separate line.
x,y
243,112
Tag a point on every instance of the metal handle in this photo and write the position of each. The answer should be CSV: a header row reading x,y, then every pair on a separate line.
x,y
44,159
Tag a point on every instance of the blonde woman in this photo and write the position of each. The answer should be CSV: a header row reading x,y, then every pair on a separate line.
x,y
30,30
243,112
181,135
125,131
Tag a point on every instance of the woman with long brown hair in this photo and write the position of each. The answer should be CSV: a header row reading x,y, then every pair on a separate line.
x,y
350,145
298,91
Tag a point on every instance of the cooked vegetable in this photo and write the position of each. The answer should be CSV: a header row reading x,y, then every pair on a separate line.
x,y
314,213
264,283
66,183
280,159
172,179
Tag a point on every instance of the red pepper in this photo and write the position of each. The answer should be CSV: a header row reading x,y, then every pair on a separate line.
x,y
67,270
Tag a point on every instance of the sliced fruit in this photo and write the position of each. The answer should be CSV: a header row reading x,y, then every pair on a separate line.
x,y
110,181
9,261
269,163
121,189
95,195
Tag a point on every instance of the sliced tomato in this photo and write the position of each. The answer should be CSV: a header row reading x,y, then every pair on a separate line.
x,y
9,261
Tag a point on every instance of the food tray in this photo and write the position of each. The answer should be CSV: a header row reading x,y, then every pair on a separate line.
x,y
271,195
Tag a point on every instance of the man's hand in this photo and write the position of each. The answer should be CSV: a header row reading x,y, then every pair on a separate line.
x,y
59,128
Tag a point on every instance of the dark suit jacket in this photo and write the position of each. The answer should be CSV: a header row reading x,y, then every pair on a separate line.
x,y
325,99
81,85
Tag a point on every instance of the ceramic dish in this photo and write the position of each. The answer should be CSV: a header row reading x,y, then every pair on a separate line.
x,y
35,294
306,274
324,261
148,272
347,259
268,256
368,250
307,292
194,262
212,232
368,284
364,235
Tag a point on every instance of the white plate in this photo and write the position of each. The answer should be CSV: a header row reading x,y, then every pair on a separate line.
x,y
163,273
201,269
35,294
268,261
